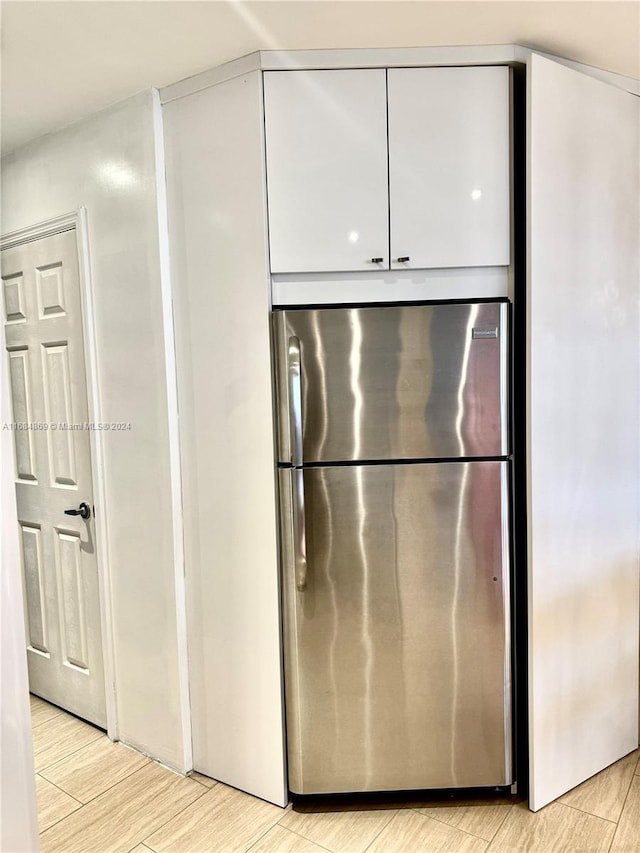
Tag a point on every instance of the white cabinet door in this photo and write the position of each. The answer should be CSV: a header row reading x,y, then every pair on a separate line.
x,y
326,142
582,426
449,166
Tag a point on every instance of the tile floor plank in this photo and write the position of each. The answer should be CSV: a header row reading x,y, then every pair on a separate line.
x,y
281,840
554,829
136,806
204,780
94,769
124,815
409,832
42,711
53,804
60,737
482,821
339,831
604,794
627,837
223,819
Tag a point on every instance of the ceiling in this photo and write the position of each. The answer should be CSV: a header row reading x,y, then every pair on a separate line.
x,y
65,60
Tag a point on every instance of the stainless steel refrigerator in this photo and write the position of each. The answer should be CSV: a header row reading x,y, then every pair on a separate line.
x,y
394,496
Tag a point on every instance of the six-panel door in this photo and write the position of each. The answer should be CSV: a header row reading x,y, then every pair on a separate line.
x,y
43,321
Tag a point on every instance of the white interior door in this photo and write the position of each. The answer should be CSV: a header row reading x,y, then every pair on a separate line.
x,y
449,167
583,426
43,317
326,143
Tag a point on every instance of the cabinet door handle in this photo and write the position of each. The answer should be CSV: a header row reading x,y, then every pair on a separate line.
x,y
403,260
377,260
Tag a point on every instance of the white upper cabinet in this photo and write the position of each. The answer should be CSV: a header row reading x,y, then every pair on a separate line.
x,y
449,166
326,148
349,152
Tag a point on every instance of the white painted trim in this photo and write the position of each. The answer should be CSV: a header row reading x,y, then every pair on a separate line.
x,y
269,306
389,286
57,225
620,81
511,285
505,515
18,808
401,57
220,74
77,221
174,434
398,57
281,60
98,470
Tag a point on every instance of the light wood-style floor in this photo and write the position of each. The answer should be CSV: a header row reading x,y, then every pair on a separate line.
x,y
94,795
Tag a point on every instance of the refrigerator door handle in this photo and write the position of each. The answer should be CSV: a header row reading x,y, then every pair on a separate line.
x,y
295,423
299,529
295,400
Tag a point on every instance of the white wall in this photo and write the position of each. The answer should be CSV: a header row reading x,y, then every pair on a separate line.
x,y
107,163
582,432
217,219
18,821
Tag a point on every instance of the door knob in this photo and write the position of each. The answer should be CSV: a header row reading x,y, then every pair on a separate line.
x,y
84,511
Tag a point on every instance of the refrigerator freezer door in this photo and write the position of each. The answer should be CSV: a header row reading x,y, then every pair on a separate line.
x,y
397,650
395,382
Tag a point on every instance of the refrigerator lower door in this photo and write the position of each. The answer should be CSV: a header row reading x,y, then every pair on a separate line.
x,y
397,645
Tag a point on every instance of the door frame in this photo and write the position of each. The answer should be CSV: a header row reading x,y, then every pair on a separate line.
x,y
77,221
